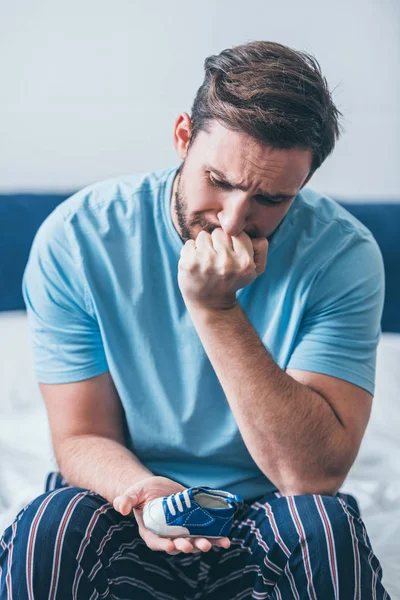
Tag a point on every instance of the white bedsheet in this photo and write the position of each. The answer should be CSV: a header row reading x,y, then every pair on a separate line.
x,y
27,456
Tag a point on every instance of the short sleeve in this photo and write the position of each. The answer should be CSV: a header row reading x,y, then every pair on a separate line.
x,y
66,340
341,327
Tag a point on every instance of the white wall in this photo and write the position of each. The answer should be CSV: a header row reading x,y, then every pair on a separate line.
x,y
91,89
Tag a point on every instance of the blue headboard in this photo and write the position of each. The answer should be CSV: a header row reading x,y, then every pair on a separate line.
x,y
22,214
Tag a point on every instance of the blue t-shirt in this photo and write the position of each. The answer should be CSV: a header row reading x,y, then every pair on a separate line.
x,y
102,294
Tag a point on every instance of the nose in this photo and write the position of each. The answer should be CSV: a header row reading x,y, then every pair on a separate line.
x,y
234,216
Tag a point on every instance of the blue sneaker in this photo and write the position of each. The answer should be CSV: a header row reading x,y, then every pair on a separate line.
x,y
194,512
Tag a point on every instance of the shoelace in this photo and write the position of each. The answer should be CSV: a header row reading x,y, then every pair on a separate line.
x,y
178,501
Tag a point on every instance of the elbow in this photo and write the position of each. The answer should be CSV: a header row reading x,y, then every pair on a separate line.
x,y
326,486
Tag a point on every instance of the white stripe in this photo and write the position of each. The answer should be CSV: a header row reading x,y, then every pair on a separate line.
x,y
375,574
334,585
282,545
235,575
291,581
141,584
112,529
304,546
85,542
32,540
10,553
261,542
272,521
357,562
59,541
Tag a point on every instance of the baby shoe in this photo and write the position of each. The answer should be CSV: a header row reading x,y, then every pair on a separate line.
x,y
194,512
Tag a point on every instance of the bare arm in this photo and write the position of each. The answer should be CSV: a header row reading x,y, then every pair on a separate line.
x,y
85,420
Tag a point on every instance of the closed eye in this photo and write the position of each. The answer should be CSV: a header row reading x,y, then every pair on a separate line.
x,y
260,199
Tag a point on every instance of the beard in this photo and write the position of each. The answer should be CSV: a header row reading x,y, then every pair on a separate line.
x,y
186,225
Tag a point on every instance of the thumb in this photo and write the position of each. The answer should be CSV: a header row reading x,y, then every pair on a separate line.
x,y
126,502
260,247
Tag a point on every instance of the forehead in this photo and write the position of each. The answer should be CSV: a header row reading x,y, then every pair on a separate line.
x,y
247,160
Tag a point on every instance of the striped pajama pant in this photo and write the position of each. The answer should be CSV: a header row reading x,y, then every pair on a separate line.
x,y
69,543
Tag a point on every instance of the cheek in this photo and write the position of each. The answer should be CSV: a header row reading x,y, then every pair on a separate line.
x,y
202,197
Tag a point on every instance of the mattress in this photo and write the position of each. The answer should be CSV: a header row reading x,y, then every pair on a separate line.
x,y
26,454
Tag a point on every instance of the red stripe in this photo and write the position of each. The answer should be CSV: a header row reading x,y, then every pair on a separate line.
x,y
355,548
375,576
274,527
282,545
304,549
84,542
332,556
60,539
8,578
261,542
32,539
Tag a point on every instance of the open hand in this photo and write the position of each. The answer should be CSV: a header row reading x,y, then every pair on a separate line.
x,y
139,494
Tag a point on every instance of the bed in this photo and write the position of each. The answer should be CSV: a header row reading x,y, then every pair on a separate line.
x,y
25,443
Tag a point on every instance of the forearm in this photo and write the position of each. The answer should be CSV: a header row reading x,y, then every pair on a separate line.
x,y
99,464
291,431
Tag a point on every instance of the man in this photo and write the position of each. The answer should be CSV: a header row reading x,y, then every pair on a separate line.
x,y
212,324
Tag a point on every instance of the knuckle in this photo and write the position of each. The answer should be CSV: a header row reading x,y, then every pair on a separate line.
x,y
208,267
226,270
247,264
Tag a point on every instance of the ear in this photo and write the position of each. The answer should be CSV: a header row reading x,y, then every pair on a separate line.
x,y
182,133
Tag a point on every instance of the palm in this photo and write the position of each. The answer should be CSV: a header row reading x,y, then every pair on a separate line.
x,y
156,487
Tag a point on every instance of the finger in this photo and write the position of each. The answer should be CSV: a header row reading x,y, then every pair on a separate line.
x,y
260,246
188,249
183,544
187,255
224,542
202,544
222,242
124,503
243,246
153,541
204,241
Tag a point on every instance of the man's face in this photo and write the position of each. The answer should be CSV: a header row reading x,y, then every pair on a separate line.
x,y
206,191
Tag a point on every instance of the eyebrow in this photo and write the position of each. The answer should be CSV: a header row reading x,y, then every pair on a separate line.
x,y
278,196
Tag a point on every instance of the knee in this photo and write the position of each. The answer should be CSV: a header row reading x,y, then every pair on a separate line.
x,y
313,518
61,513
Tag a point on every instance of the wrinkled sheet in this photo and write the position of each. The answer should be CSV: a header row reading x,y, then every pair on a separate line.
x,y
26,454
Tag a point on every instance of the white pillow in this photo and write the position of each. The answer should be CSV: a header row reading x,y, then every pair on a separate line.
x,y
382,433
375,475
26,453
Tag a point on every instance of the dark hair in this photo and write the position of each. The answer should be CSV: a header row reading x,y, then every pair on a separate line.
x,y
273,93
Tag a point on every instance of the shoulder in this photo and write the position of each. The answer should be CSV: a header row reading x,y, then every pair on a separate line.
x,y
95,206
116,190
324,209
345,257
331,231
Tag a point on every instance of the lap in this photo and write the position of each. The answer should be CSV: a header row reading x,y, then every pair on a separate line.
x,y
72,539
286,544
80,541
